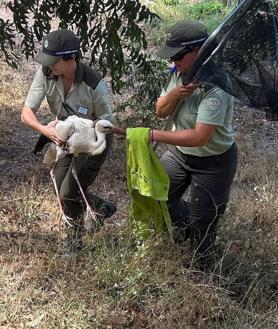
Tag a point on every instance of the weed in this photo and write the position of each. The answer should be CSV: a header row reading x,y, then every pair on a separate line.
x,y
119,282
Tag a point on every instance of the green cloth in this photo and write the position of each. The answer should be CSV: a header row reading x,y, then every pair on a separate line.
x,y
148,186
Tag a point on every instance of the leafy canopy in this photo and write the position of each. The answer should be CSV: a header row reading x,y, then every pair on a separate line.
x,y
111,30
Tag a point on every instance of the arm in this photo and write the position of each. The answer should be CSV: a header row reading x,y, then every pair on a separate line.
x,y
198,136
165,105
33,101
211,114
29,118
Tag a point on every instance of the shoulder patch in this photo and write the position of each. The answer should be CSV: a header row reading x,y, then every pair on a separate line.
x,y
212,102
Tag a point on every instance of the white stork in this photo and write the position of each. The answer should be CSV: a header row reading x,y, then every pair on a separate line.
x,y
80,136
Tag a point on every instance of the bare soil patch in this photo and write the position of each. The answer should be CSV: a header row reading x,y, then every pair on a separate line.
x,y
119,286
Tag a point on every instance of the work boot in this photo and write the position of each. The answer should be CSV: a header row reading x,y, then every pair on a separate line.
x,y
180,234
103,208
204,262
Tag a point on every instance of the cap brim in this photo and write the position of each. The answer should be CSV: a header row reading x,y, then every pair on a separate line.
x,y
168,52
46,60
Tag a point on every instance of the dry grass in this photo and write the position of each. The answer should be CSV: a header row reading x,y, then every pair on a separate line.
x,y
118,282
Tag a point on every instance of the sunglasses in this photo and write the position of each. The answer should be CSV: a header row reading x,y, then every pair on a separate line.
x,y
180,55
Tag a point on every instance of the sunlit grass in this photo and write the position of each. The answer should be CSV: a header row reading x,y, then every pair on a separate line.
x,y
120,282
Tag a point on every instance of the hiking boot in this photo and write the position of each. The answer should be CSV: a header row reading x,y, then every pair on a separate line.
x,y
180,234
204,262
107,209
103,208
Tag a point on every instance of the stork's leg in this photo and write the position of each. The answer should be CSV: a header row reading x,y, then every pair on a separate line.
x,y
90,214
64,217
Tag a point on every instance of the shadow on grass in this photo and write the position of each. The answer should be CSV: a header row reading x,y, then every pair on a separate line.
x,y
16,242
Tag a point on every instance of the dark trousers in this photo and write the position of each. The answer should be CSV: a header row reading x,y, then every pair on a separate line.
x,y
210,180
87,168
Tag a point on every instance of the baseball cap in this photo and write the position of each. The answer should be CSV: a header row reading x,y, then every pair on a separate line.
x,y
57,44
184,34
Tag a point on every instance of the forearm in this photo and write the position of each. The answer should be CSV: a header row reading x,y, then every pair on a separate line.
x,y
186,137
29,118
165,105
197,136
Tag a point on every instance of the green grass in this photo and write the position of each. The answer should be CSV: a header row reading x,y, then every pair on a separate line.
x,y
210,12
120,282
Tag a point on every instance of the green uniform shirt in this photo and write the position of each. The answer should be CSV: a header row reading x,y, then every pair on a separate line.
x,y
214,107
88,97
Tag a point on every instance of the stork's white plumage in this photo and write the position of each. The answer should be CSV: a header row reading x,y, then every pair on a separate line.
x,y
91,141
80,136
55,152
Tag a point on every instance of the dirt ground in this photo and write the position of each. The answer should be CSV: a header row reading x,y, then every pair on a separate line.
x,y
37,282
30,230
18,163
19,166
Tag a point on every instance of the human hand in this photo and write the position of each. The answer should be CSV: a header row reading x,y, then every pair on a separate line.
x,y
51,133
52,123
181,91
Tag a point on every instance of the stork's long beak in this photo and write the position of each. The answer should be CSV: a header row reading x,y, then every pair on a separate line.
x,y
119,131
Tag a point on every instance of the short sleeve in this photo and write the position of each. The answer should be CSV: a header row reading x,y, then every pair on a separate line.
x,y
101,101
36,91
174,81
213,108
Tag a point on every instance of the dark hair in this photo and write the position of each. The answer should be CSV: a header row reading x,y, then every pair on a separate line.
x,y
71,56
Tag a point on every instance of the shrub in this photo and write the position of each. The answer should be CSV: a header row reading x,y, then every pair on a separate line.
x,y
142,90
202,9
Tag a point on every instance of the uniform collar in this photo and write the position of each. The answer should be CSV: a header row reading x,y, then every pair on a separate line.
x,y
79,73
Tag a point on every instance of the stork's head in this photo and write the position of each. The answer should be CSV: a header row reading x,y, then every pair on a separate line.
x,y
104,126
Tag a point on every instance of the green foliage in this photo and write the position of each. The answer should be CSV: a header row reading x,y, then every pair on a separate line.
x,y
7,42
111,29
203,9
144,91
207,11
170,2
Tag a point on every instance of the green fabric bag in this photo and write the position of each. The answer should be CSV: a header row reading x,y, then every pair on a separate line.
x,y
148,186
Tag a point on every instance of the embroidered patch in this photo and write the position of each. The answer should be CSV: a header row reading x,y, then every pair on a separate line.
x,y
82,110
213,103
